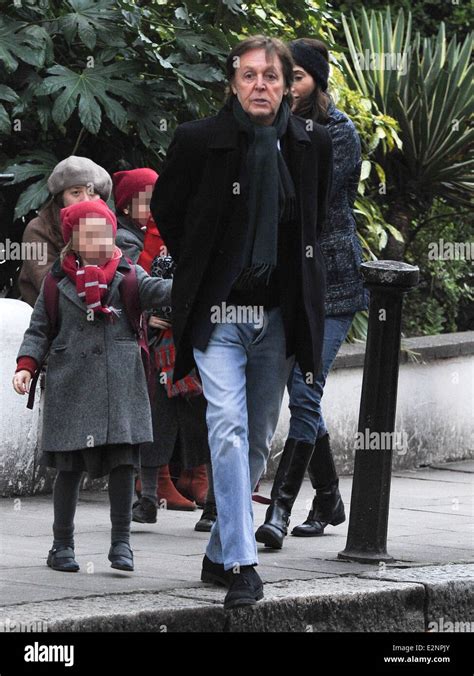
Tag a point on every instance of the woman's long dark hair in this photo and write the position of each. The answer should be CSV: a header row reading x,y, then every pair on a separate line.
x,y
315,106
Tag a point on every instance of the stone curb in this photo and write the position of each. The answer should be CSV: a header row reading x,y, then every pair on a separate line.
x,y
391,600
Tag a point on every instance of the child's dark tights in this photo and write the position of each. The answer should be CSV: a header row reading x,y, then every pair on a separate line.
x,y
66,494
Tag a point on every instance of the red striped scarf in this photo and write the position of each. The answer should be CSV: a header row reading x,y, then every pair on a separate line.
x,y
92,281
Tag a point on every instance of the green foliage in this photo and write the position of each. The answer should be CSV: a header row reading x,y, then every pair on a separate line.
x,y
443,301
427,14
112,79
359,327
428,90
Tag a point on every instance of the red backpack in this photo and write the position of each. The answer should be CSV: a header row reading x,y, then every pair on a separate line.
x,y
131,301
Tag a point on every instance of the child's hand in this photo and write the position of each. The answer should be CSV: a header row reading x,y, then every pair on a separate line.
x,y
157,323
21,382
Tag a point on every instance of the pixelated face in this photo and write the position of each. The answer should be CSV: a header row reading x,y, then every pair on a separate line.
x,y
140,207
259,85
79,193
93,240
303,86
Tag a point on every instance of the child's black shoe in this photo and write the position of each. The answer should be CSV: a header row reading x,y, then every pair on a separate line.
x,y
144,511
121,556
62,558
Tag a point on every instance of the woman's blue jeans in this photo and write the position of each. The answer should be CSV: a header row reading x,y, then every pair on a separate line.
x,y
307,422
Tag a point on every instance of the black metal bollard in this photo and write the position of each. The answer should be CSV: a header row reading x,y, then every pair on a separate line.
x,y
387,281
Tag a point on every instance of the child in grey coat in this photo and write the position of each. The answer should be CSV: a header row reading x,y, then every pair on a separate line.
x,y
96,408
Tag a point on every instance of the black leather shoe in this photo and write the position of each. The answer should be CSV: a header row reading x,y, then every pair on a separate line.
x,y
208,518
327,509
144,511
246,588
286,486
215,573
62,558
121,556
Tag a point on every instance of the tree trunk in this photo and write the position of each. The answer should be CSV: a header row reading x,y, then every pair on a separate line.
x,y
399,216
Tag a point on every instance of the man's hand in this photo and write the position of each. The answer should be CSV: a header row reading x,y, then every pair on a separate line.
x,y
21,382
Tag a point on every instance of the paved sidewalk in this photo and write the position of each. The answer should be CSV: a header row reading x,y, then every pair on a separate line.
x,y
307,588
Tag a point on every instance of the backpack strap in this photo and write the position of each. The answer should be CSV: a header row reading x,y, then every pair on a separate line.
x,y
51,302
131,300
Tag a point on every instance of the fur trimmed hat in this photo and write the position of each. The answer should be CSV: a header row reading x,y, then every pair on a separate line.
x,y
76,170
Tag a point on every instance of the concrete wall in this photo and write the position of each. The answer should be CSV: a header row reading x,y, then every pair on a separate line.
x,y
435,406
18,425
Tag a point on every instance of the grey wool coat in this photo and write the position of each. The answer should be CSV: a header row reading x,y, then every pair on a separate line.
x,y
129,238
96,392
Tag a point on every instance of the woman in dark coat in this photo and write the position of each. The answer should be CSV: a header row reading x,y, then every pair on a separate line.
x,y
345,295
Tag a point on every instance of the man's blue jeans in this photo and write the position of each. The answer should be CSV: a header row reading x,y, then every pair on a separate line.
x,y
307,422
244,371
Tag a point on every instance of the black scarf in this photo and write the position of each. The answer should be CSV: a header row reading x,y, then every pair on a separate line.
x,y
271,195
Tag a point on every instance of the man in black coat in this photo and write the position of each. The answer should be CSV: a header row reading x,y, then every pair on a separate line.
x,y
241,203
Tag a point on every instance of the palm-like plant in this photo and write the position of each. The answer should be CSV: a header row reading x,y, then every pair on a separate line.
x,y
430,95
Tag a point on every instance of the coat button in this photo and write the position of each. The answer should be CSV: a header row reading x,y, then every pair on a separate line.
x,y
83,354
97,350
80,328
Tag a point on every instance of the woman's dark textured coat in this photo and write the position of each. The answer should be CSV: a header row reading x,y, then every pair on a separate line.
x,y
200,206
345,292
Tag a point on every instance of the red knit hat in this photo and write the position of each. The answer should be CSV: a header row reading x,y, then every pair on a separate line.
x,y
129,183
70,216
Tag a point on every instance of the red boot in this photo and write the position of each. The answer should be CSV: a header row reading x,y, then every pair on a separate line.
x,y
168,496
138,487
194,484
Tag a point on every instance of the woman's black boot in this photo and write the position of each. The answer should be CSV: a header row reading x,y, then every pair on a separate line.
x,y
327,508
208,518
289,477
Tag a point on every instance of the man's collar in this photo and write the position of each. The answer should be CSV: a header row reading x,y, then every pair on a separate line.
x,y
226,132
